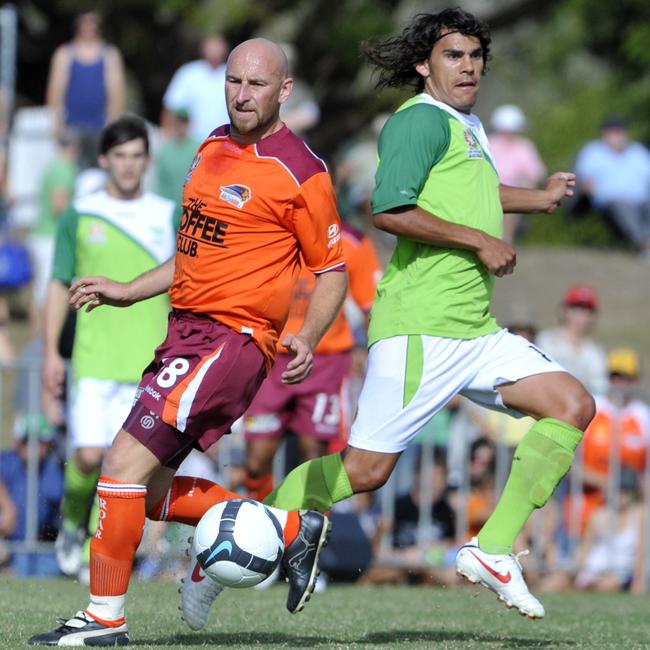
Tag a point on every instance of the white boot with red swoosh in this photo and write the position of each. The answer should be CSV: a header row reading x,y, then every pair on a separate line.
x,y
500,573
198,592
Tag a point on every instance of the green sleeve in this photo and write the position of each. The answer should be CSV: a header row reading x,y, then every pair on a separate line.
x,y
413,140
65,251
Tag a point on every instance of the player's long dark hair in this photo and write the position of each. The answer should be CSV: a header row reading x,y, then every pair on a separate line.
x,y
395,58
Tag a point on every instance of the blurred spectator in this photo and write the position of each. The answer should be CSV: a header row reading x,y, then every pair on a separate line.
x,y
86,87
300,112
516,157
355,172
199,88
482,496
56,192
569,345
608,554
621,427
441,518
614,173
420,540
13,470
175,156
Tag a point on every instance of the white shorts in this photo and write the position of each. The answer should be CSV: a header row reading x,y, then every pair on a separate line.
x,y
98,410
410,378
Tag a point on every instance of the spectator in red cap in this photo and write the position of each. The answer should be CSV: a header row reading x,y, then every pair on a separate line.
x,y
569,343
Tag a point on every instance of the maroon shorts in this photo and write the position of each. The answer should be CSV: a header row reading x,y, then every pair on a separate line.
x,y
203,377
311,408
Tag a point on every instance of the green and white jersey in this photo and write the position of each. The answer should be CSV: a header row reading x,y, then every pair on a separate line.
x,y
101,235
438,159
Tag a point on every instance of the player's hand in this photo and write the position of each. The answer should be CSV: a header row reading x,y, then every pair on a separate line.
x,y
300,367
97,290
53,374
559,186
498,257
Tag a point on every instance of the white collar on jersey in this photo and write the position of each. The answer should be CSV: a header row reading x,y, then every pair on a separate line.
x,y
468,119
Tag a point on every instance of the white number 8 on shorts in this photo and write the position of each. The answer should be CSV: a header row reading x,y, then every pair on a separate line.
x,y
178,367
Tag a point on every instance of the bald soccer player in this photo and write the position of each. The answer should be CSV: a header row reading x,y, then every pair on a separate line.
x,y
256,201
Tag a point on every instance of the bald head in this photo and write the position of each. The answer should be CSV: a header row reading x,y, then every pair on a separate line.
x,y
257,82
263,55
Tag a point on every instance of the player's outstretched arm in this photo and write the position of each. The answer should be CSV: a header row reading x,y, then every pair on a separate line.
x,y
325,303
498,257
97,290
520,200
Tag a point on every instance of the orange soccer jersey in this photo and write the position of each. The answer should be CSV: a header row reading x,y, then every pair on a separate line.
x,y
364,272
250,212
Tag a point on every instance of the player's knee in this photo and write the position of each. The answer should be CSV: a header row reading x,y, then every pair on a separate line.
x,y
579,408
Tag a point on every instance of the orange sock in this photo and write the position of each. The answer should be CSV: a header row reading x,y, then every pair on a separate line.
x,y
291,527
259,488
112,549
189,498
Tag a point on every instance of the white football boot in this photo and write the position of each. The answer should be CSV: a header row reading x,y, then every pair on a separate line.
x,y
500,573
198,592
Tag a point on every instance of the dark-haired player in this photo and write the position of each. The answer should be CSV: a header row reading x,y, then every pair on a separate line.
x,y
431,333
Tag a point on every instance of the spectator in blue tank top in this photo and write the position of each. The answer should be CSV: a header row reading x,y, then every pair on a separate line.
x,y
86,86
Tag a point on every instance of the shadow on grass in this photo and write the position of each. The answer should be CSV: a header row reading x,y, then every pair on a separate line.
x,y
401,637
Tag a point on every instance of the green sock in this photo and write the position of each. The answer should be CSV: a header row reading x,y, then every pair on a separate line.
x,y
78,492
316,485
541,460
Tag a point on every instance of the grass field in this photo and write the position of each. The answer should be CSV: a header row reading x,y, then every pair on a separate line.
x,y
342,617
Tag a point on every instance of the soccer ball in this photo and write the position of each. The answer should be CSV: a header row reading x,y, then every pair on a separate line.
x,y
238,543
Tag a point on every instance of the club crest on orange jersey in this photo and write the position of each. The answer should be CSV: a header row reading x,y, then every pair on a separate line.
x,y
236,195
193,166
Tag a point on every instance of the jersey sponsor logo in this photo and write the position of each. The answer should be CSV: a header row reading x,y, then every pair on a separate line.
x,y
236,195
193,166
333,235
153,392
147,422
196,226
473,147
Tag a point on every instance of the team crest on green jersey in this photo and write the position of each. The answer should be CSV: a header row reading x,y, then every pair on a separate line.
x,y
473,147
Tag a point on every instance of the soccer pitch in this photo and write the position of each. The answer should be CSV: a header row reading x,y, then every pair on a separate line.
x,y
342,617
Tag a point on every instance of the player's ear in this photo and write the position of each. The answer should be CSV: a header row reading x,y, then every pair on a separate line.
x,y
285,90
423,68
103,161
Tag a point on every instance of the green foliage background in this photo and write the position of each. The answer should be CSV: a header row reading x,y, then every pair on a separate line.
x,y
567,63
